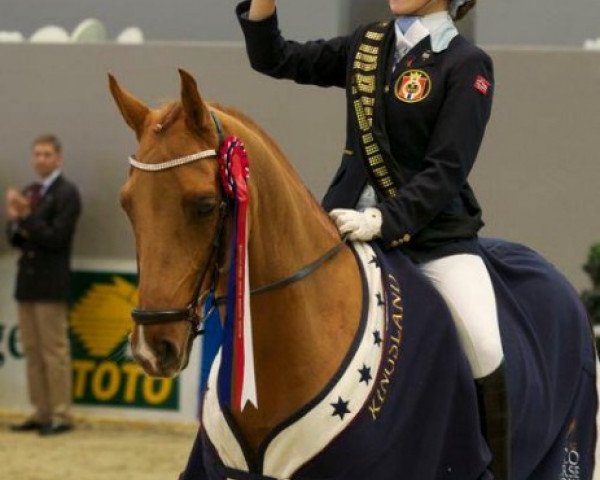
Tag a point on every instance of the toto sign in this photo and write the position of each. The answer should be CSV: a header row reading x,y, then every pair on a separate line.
x,y
103,370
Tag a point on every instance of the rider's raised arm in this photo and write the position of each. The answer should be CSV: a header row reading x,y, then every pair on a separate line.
x,y
321,62
261,9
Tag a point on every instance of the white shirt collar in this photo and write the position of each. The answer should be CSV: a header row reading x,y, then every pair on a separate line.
x,y
49,180
414,35
439,26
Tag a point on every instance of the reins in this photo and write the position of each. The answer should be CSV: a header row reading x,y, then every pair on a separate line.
x,y
190,313
300,275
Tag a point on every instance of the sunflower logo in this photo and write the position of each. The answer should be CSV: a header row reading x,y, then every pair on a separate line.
x,y
101,318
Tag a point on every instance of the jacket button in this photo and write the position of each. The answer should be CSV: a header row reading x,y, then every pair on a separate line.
x,y
386,89
407,238
395,243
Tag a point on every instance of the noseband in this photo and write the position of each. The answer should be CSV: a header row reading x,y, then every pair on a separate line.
x,y
190,313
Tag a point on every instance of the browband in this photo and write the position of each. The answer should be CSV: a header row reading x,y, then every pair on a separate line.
x,y
158,167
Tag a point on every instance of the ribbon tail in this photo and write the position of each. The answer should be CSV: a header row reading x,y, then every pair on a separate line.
x,y
239,354
227,368
212,340
211,344
249,386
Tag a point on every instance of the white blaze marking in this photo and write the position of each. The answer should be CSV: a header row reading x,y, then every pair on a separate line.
x,y
143,350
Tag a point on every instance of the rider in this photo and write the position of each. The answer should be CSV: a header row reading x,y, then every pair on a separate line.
x,y
419,99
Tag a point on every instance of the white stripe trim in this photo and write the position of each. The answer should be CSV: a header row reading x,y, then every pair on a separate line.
x,y
157,167
307,437
216,427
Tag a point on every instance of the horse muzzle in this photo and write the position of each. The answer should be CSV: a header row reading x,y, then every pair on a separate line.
x,y
161,351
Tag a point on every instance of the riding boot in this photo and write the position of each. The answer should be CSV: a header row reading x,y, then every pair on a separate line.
x,y
494,409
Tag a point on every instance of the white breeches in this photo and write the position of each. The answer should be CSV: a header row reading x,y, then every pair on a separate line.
x,y
465,284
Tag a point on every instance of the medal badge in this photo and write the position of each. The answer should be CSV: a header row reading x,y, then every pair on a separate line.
x,y
413,86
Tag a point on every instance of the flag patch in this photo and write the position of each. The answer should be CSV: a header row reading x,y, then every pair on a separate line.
x,y
482,84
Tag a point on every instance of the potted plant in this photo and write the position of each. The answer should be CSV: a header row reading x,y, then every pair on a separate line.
x,y
591,298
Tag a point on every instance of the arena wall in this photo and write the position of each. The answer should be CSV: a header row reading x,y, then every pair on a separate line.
x,y
536,22
537,175
190,20
498,22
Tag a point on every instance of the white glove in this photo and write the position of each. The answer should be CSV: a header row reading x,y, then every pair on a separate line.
x,y
360,226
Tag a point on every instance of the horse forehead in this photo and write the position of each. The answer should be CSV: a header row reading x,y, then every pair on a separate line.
x,y
167,114
198,179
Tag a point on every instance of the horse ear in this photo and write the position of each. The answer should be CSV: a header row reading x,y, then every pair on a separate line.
x,y
197,115
134,112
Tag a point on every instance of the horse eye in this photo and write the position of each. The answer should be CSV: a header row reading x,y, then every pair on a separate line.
x,y
204,206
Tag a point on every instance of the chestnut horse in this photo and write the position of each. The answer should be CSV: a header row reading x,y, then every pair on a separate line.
x,y
302,332
180,208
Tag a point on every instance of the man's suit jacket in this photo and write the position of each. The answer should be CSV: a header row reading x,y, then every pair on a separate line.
x,y
45,239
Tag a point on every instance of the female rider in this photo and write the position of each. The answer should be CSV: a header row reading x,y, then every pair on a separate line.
x,y
419,99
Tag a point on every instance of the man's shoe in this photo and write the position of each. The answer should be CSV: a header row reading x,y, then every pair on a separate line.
x,y
55,428
27,426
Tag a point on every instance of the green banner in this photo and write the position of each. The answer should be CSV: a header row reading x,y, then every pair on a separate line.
x,y
103,372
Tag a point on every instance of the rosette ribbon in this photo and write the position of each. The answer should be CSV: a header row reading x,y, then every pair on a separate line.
x,y
237,379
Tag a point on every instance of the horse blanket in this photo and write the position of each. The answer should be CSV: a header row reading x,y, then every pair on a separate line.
x,y
403,404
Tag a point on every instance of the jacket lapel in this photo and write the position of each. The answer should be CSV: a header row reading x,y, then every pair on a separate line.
x,y
49,195
420,56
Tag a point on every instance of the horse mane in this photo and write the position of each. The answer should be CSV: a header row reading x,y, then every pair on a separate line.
x,y
172,111
252,124
174,108
271,144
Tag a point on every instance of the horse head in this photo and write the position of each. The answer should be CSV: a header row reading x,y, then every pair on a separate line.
x,y
175,214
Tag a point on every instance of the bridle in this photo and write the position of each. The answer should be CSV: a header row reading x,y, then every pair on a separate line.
x,y
190,313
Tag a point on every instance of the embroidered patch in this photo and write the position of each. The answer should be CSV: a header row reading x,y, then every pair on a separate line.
x,y
482,84
413,86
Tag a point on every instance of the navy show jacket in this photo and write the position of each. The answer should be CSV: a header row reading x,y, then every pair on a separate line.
x,y
434,142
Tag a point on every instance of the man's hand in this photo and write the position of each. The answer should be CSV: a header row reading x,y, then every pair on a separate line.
x,y
360,226
17,205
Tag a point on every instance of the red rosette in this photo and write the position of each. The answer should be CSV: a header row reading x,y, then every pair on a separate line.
x,y
233,163
234,171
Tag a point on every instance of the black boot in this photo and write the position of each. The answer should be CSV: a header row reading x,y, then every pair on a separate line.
x,y
494,409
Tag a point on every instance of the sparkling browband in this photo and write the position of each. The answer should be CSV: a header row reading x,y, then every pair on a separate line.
x,y
157,167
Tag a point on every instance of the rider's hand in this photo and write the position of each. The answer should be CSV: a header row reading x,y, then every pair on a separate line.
x,y
261,9
360,226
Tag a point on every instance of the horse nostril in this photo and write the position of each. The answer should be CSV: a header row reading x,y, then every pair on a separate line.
x,y
166,352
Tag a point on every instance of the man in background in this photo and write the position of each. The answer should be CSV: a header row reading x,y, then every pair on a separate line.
x,y
41,224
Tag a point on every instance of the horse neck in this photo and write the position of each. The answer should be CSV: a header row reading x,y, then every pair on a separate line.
x,y
301,332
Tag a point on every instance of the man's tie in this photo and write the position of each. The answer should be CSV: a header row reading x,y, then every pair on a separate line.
x,y
34,193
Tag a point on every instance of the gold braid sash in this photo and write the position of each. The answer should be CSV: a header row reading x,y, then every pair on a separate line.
x,y
368,70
